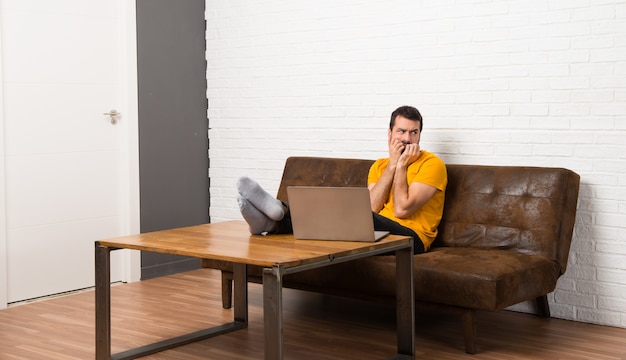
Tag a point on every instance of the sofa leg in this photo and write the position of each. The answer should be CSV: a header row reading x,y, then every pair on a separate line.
x,y
469,331
543,308
227,290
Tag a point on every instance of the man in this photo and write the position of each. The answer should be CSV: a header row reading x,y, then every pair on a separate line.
x,y
407,188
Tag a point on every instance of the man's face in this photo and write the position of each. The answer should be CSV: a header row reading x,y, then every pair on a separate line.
x,y
405,130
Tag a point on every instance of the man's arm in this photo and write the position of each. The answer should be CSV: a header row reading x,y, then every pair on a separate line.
x,y
380,190
410,198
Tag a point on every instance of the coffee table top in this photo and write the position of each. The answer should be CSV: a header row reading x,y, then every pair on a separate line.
x,y
231,241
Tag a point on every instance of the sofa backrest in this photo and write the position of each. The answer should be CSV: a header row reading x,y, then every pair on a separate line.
x,y
525,209
317,171
512,208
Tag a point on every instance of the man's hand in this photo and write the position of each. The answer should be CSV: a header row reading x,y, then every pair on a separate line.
x,y
409,155
396,148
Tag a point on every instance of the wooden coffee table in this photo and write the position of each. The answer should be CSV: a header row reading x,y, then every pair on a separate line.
x,y
279,255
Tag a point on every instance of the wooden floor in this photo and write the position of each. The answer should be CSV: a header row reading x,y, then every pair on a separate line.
x,y
315,327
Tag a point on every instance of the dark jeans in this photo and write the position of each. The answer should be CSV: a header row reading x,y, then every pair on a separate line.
x,y
381,223
385,224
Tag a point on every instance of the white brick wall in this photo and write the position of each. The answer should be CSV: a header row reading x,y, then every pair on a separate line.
x,y
498,82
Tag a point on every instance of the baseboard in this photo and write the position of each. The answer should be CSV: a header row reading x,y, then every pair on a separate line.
x,y
170,268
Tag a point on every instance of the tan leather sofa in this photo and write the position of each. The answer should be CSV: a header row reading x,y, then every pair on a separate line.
x,y
504,239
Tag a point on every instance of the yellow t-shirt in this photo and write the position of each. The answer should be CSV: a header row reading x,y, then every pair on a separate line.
x,y
427,169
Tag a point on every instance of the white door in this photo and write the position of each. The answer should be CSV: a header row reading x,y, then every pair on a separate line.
x,y
70,174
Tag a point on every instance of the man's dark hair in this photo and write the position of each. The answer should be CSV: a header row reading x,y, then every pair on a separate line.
x,y
408,112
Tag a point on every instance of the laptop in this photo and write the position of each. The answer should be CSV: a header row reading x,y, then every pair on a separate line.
x,y
332,213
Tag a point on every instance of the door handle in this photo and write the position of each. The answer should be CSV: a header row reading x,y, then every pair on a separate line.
x,y
114,115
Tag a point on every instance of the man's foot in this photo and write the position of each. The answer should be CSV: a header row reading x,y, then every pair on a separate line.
x,y
258,222
260,199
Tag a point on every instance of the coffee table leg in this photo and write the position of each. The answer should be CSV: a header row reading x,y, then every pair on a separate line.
x,y
103,302
273,312
240,298
405,303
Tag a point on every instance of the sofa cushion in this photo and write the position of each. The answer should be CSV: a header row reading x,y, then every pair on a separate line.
x,y
482,279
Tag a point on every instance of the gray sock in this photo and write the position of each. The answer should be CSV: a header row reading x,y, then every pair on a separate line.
x,y
260,199
257,221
